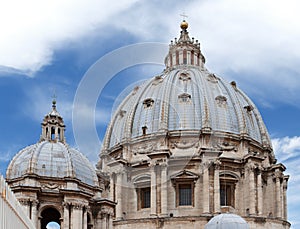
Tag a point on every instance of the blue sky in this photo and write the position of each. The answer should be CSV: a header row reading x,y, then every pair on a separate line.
x,y
47,47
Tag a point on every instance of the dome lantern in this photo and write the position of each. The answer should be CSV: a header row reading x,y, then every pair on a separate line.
x,y
53,127
184,51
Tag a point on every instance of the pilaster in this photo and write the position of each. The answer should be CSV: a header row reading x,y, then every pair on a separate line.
x,y
164,189
259,194
153,189
118,190
217,207
206,200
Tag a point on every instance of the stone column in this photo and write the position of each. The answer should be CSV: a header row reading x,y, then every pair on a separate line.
x,y
77,216
259,194
198,194
25,205
84,226
66,217
251,189
98,221
153,190
118,190
104,220
217,207
278,194
56,133
206,188
34,216
285,180
111,188
164,190
110,222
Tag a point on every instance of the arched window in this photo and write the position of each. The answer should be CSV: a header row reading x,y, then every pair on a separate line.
x,y
59,134
143,191
227,189
52,133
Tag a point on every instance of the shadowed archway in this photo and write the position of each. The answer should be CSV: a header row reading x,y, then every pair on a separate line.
x,y
49,215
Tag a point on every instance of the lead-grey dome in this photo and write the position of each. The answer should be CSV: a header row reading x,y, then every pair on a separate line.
x,y
186,97
227,221
51,157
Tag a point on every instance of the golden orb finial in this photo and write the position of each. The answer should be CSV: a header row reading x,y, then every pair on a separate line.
x,y
184,25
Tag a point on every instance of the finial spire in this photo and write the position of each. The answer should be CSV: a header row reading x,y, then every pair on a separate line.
x,y
184,25
54,101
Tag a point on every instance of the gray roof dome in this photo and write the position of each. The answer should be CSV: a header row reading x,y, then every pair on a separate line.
x,y
227,221
186,97
52,157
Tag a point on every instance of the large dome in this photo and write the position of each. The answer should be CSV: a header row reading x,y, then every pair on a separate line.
x,y
51,157
186,97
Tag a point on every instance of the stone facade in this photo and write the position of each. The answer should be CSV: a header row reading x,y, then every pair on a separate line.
x,y
55,183
181,148
189,146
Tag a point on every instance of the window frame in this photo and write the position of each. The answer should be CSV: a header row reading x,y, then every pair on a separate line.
x,y
184,178
178,193
228,182
141,200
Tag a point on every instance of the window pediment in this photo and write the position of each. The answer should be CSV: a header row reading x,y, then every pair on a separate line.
x,y
184,176
142,181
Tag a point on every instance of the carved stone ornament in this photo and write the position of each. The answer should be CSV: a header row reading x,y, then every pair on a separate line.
x,y
221,100
50,186
225,146
185,144
147,148
212,78
184,76
157,80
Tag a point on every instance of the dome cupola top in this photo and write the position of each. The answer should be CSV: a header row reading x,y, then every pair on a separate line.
x,y
53,126
184,51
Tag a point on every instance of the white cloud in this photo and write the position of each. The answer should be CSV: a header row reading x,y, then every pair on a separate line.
x,y
5,156
257,40
287,147
31,30
287,150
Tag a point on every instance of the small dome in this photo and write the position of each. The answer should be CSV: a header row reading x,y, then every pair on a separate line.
x,y
52,159
51,156
227,221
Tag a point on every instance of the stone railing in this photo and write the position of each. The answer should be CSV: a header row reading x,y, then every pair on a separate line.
x,y
12,214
